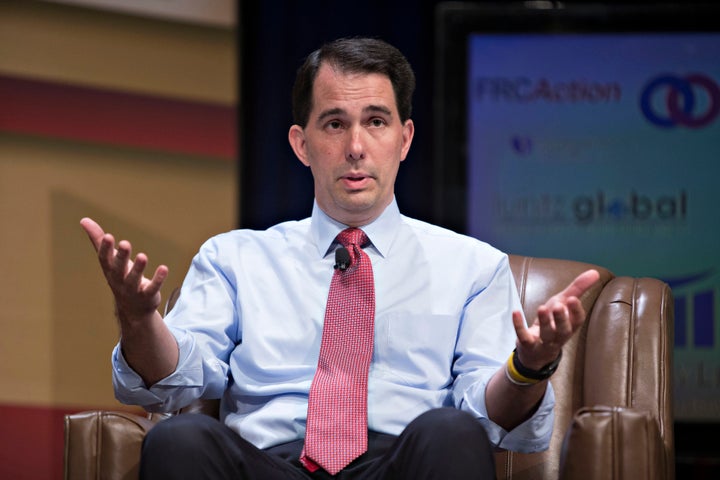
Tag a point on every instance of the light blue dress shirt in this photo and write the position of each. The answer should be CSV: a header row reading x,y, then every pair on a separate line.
x,y
249,321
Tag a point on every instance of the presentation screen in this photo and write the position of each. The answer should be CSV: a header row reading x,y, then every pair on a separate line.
x,y
593,141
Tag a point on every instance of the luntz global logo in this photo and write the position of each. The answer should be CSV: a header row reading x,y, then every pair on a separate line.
x,y
691,101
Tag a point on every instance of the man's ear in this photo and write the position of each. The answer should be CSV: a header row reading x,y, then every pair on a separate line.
x,y
408,132
296,137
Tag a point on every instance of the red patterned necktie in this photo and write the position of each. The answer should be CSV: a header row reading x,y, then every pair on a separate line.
x,y
337,430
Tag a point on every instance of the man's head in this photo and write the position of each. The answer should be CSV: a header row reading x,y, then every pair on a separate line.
x,y
352,107
355,55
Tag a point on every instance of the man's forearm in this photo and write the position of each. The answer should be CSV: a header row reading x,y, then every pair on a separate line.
x,y
148,347
509,405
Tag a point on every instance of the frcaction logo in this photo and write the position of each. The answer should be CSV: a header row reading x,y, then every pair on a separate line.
x,y
527,90
691,101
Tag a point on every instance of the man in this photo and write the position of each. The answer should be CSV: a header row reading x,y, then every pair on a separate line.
x,y
250,326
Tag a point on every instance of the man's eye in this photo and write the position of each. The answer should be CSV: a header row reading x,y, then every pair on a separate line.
x,y
334,125
377,122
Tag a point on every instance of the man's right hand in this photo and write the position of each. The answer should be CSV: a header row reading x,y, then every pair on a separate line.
x,y
147,344
136,296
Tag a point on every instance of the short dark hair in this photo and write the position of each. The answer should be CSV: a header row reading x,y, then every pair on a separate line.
x,y
355,55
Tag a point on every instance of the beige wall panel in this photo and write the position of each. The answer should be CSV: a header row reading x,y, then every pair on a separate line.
x,y
108,50
56,325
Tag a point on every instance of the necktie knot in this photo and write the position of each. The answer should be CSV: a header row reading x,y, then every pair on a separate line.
x,y
352,236
353,239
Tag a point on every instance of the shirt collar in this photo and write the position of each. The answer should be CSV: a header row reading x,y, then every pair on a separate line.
x,y
380,231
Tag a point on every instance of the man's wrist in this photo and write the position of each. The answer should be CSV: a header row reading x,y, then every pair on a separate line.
x,y
515,378
519,374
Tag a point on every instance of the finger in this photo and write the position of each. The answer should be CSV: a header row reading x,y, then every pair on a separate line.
x,y
158,279
521,330
120,262
93,230
135,274
576,312
547,324
581,284
106,252
563,324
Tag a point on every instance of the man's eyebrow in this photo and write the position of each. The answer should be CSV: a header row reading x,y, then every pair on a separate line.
x,y
330,113
369,109
377,108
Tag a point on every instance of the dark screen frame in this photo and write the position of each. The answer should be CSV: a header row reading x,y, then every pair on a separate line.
x,y
454,22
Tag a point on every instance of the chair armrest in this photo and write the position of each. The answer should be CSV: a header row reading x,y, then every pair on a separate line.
x,y
100,444
618,443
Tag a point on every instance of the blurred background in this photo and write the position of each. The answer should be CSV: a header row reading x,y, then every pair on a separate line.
x,y
166,121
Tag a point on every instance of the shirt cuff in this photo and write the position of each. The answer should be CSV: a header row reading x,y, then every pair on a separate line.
x,y
130,388
533,435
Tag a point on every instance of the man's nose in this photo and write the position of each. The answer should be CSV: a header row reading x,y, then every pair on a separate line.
x,y
355,146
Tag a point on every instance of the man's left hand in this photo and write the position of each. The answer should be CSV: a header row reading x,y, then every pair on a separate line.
x,y
556,322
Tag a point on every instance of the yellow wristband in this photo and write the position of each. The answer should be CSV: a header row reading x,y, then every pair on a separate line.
x,y
516,377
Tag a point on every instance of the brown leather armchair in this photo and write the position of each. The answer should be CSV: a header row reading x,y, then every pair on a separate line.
x,y
613,391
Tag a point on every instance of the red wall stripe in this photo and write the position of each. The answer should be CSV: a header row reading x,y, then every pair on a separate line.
x,y
32,441
118,118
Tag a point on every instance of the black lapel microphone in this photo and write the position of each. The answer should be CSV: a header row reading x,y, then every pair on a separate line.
x,y
342,259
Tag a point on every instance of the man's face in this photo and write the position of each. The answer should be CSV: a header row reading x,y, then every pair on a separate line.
x,y
353,143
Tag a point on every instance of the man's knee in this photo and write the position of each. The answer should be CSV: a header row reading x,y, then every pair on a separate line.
x,y
192,446
448,426
452,435
444,443
180,432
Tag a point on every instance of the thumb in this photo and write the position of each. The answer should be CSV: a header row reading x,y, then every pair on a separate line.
x,y
581,284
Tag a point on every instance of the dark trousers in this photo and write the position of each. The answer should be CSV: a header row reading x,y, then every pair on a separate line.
x,y
441,444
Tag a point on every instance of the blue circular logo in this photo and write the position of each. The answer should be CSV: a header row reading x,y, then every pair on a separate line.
x,y
681,105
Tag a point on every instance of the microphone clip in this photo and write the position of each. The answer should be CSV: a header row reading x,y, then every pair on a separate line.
x,y
342,259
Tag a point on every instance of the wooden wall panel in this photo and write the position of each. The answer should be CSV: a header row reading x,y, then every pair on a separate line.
x,y
132,121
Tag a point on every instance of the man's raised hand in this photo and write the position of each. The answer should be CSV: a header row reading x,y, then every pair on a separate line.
x,y
556,322
135,294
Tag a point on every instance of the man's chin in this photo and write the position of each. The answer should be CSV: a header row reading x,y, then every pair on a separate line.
x,y
355,212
